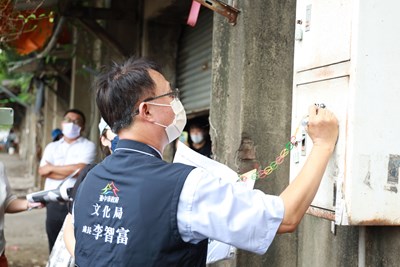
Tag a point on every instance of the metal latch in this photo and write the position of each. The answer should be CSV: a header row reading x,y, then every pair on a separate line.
x,y
221,8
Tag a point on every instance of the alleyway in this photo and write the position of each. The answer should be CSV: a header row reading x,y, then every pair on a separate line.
x,y
25,232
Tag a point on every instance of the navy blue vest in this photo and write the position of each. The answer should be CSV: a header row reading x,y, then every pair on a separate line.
x,y
125,212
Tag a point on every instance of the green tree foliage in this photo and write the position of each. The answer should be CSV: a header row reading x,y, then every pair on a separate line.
x,y
14,80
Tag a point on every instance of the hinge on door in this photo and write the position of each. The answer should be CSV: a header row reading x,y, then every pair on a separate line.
x,y
221,8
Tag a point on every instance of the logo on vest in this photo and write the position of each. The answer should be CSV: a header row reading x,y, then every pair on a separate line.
x,y
109,193
106,215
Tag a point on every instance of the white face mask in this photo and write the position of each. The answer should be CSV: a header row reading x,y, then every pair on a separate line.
x,y
197,138
71,130
175,129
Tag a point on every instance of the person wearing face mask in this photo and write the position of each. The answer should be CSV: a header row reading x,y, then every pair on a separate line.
x,y
135,209
60,159
199,139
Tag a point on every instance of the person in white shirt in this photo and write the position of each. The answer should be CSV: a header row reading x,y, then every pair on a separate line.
x,y
60,159
134,209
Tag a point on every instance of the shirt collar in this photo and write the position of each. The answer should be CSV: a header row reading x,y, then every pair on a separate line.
x,y
62,140
131,144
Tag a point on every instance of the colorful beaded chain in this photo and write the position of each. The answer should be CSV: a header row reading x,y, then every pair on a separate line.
x,y
263,173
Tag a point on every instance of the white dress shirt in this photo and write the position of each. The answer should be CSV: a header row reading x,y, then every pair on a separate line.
x,y
61,153
246,219
211,207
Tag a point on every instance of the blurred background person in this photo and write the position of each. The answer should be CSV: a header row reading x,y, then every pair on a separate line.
x,y
60,159
199,138
12,142
56,134
9,203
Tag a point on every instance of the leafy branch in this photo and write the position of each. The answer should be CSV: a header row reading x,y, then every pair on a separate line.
x,y
21,81
13,22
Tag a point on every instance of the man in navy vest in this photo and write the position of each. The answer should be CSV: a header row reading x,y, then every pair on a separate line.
x,y
134,209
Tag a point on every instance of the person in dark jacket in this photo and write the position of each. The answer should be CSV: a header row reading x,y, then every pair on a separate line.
x,y
199,139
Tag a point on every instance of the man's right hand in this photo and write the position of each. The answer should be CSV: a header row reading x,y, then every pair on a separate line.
x,y
323,127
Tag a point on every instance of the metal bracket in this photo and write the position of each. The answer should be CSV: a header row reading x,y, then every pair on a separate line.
x,y
221,8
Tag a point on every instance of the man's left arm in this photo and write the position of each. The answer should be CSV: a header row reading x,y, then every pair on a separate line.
x,y
60,172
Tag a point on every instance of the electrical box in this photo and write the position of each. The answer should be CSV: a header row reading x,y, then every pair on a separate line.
x,y
347,56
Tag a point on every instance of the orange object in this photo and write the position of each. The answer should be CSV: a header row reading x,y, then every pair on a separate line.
x,y
32,30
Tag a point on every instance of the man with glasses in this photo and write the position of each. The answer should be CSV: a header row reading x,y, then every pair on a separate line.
x,y
134,209
60,159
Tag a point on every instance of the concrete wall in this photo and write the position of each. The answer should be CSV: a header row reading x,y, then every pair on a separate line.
x,y
251,102
82,96
252,83
318,245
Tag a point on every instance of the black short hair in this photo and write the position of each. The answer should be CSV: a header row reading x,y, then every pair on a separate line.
x,y
120,88
76,111
200,123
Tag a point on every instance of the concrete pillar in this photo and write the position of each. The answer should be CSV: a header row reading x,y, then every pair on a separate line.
x,y
251,102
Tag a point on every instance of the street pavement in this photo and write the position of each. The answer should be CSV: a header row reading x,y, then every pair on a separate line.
x,y
24,232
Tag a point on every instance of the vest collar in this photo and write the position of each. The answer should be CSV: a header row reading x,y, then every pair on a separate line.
x,y
131,145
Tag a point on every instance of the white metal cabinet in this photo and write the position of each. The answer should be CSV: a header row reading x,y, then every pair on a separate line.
x,y
326,29
347,56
